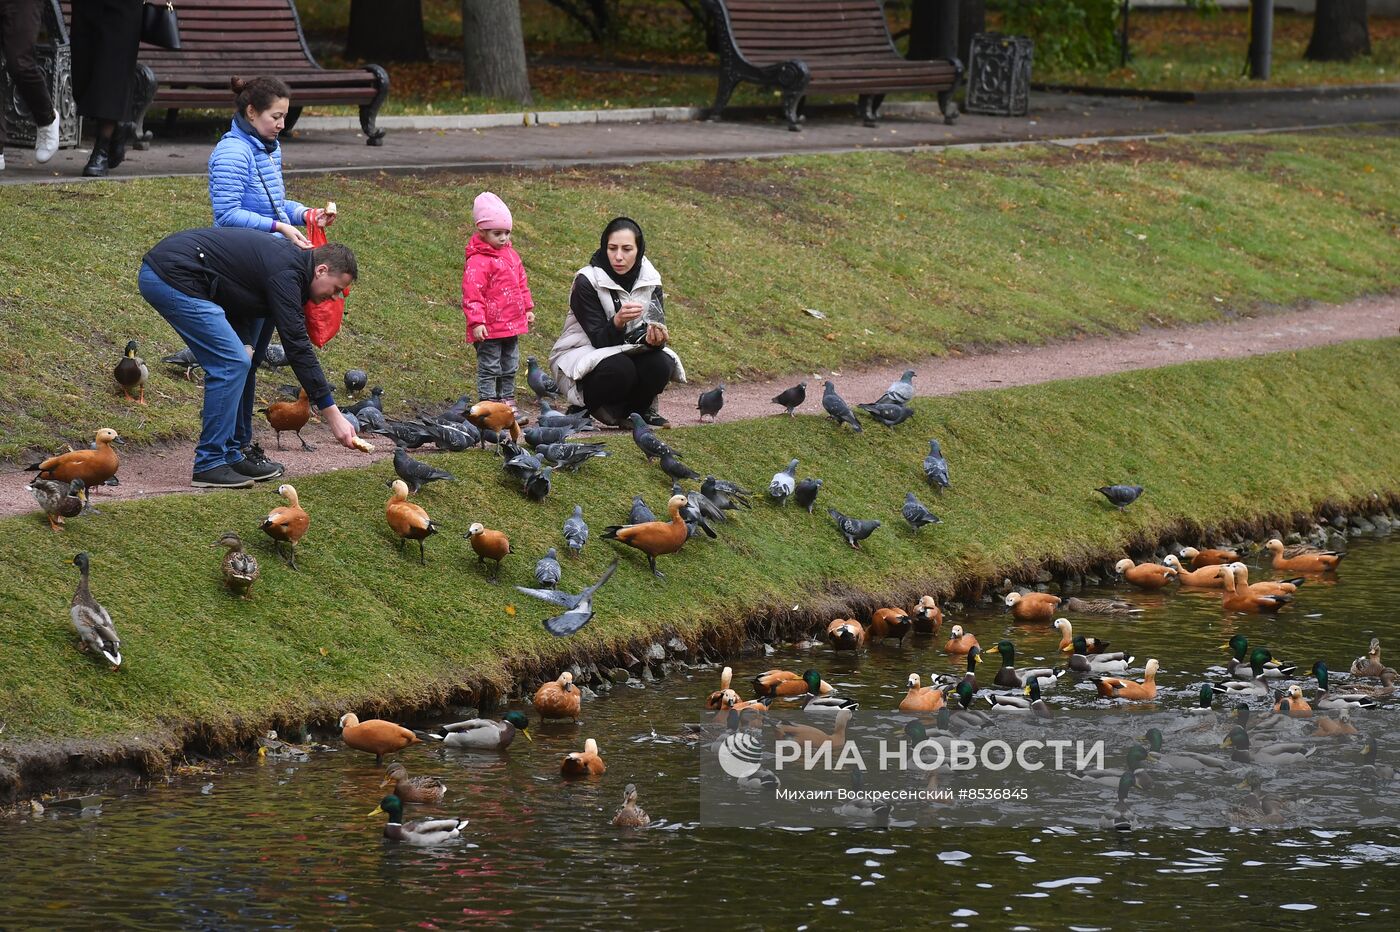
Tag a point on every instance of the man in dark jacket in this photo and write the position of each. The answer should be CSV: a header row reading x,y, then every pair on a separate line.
x,y
219,288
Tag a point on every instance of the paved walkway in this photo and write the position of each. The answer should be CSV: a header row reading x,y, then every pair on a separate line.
x,y
1054,117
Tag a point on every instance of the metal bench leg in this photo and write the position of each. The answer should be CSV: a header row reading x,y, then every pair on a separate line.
x,y
949,106
869,107
727,84
143,91
370,112
293,114
792,100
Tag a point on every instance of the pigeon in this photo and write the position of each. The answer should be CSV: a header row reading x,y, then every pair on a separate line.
x,y
541,382
453,436
457,411
275,356
1121,495
416,473
936,467
547,571
551,418
371,418
537,437
575,531
375,400
578,608
355,380
836,407
354,423
700,503
408,433
853,529
900,392
184,359
517,463
537,485
727,496
805,493
672,466
640,513
783,483
646,440
691,513
916,513
888,413
791,398
569,456
711,402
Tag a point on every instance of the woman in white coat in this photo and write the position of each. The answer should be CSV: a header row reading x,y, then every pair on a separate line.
x,y
612,357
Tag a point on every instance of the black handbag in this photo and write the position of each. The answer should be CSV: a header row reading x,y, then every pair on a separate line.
x,y
160,25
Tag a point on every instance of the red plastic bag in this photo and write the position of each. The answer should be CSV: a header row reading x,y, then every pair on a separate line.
x,y
323,318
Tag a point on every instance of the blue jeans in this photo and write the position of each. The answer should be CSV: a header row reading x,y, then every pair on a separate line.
x,y
228,372
496,362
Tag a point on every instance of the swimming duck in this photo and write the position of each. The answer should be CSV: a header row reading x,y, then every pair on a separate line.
x,y
1302,558
419,789
816,702
375,736
1008,676
715,699
287,523
289,416
654,538
1370,664
1207,577
1200,559
887,623
1032,606
812,737
585,763
239,567
1068,639
1276,754
1258,807
93,467
408,521
484,734
1150,576
489,544
1291,702
1136,756
1242,669
969,677
928,617
131,374
960,641
1114,663
1239,599
963,713
1386,687
1181,760
1373,769
1257,685
1266,587
631,815
1112,687
921,698
1328,700
1205,705
58,499
422,832
784,683
1028,700
1329,726
1101,606
559,698
845,634
90,619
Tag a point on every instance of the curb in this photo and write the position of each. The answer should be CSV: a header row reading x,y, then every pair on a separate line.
x,y
1244,95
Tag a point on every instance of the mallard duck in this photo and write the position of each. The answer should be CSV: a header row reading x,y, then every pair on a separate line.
x,y
287,523
408,521
271,746
887,623
131,374
1205,705
921,698
845,634
1256,686
559,698
424,832
1136,756
239,567
812,737
1241,599
1372,768
58,499
1207,577
1181,760
784,683
1008,676
631,815
1329,700
484,734
928,617
816,702
1068,640
963,713
960,641
1101,606
1208,557
90,619
969,677
1241,669
1386,688
716,698
585,763
1303,559
1031,606
1150,576
1275,754
375,736
1108,663
419,789
1258,807
1112,687
1370,664
92,467
1028,700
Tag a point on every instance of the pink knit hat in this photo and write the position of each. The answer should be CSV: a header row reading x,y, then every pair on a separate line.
x,y
489,212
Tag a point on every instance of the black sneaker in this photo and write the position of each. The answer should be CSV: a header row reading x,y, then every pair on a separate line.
x,y
609,416
256,466
655,420
221,477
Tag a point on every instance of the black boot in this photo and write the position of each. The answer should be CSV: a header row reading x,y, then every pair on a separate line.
x,y
116,148
97,163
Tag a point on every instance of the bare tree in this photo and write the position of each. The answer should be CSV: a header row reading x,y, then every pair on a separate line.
x,y
1340,32
493,49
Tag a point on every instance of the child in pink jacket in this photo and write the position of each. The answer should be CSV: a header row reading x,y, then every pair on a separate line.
x,y
496,300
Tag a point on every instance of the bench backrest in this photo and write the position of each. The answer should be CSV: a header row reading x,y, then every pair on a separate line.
x,y
769,31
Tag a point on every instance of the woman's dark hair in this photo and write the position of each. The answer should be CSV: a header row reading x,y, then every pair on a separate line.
x,y
259,93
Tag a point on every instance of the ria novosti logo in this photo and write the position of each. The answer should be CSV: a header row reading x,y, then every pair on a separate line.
x,y
740,754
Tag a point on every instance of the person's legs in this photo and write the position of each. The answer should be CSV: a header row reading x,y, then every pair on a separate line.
x,y
609,384
510,361
206,330
19,30
256,333
653,372
488,368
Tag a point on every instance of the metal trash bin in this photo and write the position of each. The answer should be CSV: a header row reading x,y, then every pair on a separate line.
x,y
999,74
56,61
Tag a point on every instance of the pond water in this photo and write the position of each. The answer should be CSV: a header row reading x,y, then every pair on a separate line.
x,y
291,843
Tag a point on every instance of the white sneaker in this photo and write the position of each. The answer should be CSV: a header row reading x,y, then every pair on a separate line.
x,y
2,161
46,142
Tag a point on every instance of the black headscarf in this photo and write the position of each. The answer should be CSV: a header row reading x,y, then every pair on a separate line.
x,y
600,258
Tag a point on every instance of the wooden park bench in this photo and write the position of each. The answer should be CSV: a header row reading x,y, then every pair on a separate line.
x,y
821,47
223,38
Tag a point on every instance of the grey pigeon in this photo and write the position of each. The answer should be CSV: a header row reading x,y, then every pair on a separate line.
x,y
646,440
569,456
575,531
888,413
537,437
853,529
805,494
702,504
408,433
457,411
1121,495
672,466
517,463
375,400
355,380
416,473
537,485
916,513
783,483
371,418
451,436
710,403
691,514
791,398
936,467
640,513
547,570
900,392
541,382
551,418
354,422
578,608
275,357
185,359
727,496
836,407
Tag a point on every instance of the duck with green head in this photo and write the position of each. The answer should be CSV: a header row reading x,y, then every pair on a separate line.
x,y
484,734
1008,677
1328,700
1371,768
1136,758
1255,685
1180,760
1028,700
1276,754
1242,669
1115,663
423,832
817,702
965,714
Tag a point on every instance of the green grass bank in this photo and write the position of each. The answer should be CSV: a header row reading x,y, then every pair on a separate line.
x,y
362,627
906,253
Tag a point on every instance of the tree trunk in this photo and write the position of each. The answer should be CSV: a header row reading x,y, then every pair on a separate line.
x,y
1339,31
386,30
923,30
972,19
493,49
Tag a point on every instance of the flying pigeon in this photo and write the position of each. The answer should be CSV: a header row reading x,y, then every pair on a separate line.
x,y
783,483
692,514
916,513
578,608
936,467
547,570
888,413
575,531
791,398
375,400
710,403
805,494
541,382
569,456
727,496
836,407
416,472
355,380
900,392
640,513
646,440
673,467
853,529
1121,495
